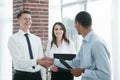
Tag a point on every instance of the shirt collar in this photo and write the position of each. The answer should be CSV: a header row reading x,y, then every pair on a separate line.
x,y
88,36
22,32
62,44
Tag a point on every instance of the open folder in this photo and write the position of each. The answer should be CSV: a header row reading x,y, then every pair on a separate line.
x,y
63,57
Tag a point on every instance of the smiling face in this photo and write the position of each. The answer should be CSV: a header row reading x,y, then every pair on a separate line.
x,y
58,31
25,21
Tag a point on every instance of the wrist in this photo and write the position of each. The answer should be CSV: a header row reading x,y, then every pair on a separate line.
x,y
38,61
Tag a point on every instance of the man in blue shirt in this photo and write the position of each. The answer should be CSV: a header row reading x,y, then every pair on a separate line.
x,y
93,60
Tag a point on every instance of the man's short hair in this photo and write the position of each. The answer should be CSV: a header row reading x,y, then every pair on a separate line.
x,y
84,18
22,12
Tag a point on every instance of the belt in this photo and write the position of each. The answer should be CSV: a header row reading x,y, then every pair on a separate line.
x,y
24,72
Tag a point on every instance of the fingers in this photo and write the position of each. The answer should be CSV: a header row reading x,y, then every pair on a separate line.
x,y
76,71
53,68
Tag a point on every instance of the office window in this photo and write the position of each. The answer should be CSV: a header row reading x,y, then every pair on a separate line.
x,y
69,9
68,1
100,11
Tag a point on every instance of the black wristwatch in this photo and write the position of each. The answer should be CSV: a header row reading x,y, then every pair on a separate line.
x,y
83,70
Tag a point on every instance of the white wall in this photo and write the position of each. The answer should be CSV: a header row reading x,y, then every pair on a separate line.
x,y
5,32
115,39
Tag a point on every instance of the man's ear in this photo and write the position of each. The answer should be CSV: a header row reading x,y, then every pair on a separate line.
x,y
78,23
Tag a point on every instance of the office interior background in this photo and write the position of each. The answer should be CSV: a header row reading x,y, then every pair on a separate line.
x,y
106,18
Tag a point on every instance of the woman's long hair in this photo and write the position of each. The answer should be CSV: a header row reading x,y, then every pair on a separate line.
x,y
64,34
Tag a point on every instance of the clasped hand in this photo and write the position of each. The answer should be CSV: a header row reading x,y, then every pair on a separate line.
x,y
76,71
45,61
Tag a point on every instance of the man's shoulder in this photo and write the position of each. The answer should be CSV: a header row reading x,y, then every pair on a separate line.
x,y
35,36
14,34
97,40
14,37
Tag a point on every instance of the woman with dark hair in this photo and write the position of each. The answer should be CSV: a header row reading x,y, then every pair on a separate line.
x,y
60,44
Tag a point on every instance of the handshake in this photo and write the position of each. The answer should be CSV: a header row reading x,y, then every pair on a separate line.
x,y
45,62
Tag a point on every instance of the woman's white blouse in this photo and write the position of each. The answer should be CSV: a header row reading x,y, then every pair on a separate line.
x,y
64,48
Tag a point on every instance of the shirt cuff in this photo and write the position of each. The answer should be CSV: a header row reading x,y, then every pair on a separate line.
x,y
56,61
34,62
86,73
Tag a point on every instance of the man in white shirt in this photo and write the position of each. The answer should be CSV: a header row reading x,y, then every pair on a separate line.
x,y
26,51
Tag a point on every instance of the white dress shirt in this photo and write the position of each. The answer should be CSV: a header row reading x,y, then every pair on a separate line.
x,y
18,48
64,48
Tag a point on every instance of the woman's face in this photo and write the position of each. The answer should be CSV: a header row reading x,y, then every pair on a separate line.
x,y
58,31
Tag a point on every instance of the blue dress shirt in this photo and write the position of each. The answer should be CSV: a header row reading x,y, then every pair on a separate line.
x,y
94,57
